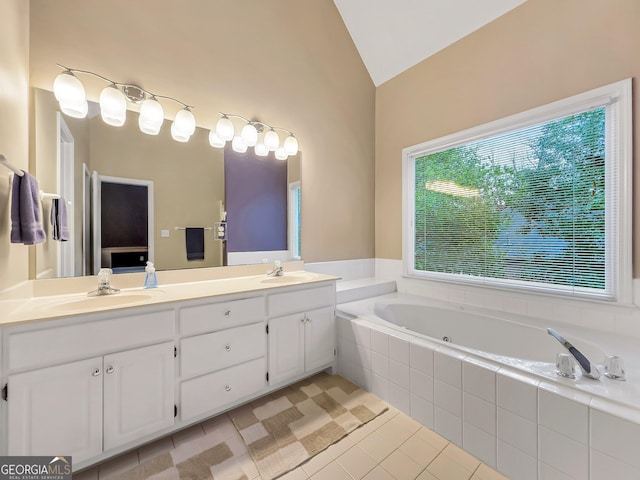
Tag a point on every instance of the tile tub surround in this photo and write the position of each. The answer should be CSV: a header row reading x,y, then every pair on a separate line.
x,y
524,425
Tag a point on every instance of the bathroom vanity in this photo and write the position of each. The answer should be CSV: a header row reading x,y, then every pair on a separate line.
x,y
93,377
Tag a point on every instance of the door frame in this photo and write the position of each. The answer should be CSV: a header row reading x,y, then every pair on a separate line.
x,y
97,180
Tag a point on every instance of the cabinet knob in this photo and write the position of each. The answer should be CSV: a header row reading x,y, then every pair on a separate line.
x,y
227,348
227,313
303,320
96,372
227,388
110,369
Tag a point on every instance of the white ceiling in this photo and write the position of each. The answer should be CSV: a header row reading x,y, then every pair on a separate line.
x,y
394,35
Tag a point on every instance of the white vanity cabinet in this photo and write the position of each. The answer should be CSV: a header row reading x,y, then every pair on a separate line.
x,y
98,384
138,393
304,341
57,409
225,362
85,406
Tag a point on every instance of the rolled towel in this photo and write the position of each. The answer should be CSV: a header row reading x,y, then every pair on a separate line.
x,y
194,237
26,224
59,219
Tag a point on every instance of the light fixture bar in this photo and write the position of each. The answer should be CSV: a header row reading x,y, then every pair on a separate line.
x,y
121,84
71,95
256,122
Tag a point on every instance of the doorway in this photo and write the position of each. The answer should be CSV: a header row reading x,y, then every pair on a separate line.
x,y
122,223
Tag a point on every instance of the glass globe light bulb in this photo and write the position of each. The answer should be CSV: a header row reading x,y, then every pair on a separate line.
x,y
224,128
178,135
249,135
68,89
272,140
291,145
215,140
151,116
185,122
261,150
75,109
113,106
238,145
281,154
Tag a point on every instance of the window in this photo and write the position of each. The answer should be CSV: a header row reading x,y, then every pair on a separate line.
x,y
538,201
294,220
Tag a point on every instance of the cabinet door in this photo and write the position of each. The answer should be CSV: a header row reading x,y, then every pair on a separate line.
x,y
319,338
138,393
57,411
286,347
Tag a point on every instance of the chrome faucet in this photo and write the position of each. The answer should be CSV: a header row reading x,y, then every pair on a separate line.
x,y
104,284
277,271
588,370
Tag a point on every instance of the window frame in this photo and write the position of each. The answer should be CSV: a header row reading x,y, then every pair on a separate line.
x,y
618,124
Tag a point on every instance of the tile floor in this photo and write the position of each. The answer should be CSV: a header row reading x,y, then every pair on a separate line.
x,y
393,446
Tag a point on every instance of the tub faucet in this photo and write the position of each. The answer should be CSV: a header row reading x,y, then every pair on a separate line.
x,y
104,285
588,370
277,271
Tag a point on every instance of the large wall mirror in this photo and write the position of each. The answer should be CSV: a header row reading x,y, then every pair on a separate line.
x,y
130,196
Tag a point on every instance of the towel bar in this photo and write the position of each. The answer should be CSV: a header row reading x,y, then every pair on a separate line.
x,y
5,162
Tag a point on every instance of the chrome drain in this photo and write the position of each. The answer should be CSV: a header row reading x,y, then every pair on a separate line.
x,y
446,339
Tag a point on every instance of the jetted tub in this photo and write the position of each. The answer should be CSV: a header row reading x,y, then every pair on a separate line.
x,y
509,339
486,381
490,336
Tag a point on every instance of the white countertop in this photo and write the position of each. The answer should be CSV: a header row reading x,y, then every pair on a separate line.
x,y
47,307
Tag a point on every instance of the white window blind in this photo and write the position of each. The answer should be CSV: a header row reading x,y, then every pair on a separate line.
x,y
534,207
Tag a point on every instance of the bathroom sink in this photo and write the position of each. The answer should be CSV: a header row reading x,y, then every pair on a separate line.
x,y
289,279
90,303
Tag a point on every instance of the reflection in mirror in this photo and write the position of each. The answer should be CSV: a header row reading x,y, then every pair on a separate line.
x,y
189,190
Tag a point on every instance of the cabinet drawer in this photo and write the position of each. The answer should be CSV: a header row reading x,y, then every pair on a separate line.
x,y
300,300
63,343
218,350
218,316
211,392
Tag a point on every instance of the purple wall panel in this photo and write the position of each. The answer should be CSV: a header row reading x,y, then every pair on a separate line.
x,y
256,202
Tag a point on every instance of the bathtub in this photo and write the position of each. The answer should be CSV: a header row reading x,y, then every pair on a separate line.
x,y
513,342
487,382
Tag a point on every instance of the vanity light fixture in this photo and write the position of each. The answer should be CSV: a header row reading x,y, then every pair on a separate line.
x,y
71,95
250,134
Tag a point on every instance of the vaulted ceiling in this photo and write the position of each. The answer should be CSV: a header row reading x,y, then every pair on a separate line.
x,y
394,35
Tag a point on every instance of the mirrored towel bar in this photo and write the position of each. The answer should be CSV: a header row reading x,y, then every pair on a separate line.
x,y
184,228
5,162
48,196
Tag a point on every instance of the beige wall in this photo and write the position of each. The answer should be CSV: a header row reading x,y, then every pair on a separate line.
x,y
14,124
540,52
286,62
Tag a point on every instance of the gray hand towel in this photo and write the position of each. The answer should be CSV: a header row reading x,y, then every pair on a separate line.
x,y
59,219
195,243
26,226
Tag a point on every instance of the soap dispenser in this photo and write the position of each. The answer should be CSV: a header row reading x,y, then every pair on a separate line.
x,y
150,280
